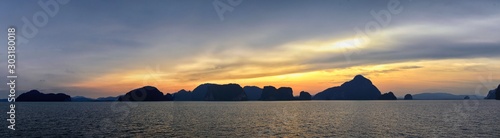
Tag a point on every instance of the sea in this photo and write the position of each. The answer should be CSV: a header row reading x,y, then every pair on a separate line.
x,y
402,118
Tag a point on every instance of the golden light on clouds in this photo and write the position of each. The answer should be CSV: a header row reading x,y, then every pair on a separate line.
x,y
329,46
418,52
401,78
349,43
282,66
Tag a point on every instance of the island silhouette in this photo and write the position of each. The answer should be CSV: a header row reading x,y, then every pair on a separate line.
x,y
498,93
35,95
359,88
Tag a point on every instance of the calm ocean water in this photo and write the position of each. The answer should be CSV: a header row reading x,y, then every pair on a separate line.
x,y
258,119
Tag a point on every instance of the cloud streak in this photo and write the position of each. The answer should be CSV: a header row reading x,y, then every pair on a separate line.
x,y
88,43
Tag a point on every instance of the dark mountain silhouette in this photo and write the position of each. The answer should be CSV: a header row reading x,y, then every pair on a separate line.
x,y
491,94
182,95
100,99
82,99
388,96
359,88
168,97
269,93
304,96
225,92
497,93
36,96
334,93
284,94
442,96
200,92
408,97
110,98
253,92
212,92
146,93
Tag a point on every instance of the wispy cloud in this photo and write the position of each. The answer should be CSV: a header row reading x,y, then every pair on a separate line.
x,y
91,45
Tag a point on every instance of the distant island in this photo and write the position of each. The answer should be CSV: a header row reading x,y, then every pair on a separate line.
x,y
494,94
35,95
359,88
443,96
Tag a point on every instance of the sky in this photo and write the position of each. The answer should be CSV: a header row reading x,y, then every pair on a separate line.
x,y
106,48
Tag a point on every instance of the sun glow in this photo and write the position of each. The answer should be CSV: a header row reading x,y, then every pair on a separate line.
x,y
349,43
341,45
329,46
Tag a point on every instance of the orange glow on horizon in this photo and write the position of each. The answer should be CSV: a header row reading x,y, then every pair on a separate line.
x,y
400,78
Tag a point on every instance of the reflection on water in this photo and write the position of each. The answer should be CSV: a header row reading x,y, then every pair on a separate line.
x,y
258,119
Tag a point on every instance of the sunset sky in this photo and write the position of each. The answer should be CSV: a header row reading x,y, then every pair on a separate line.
x,y
106,48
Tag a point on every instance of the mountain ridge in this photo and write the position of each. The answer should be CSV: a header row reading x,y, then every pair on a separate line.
x,y
359,88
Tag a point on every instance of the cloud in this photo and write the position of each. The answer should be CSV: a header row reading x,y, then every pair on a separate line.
x,y
191,44
383,71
